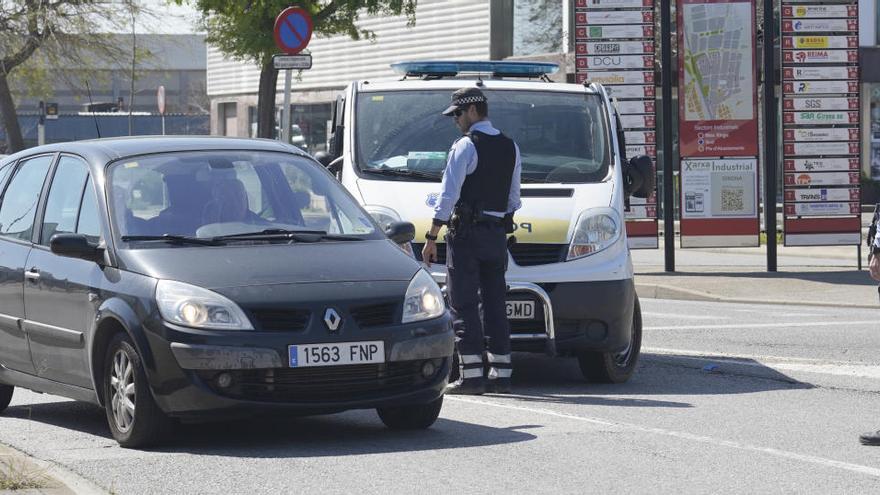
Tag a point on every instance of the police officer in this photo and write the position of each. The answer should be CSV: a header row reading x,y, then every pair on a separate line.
x,y
873,437
480,192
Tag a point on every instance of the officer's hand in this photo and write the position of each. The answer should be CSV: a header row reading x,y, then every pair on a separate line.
x,y
429,252
874,268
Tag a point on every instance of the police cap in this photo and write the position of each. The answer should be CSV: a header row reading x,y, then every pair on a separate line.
x,y
464,97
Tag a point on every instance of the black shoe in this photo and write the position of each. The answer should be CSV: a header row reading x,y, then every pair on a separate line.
x,y
498,386
469,386
871,438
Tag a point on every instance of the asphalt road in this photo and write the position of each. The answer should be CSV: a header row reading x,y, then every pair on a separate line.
x,y
727,399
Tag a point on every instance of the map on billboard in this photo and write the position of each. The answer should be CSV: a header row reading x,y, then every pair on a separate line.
x,y
718,81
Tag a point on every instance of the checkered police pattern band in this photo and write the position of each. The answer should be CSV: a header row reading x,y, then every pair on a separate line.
x,y
469,99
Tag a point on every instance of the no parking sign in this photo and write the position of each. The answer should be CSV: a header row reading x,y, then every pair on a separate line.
x,y
293,30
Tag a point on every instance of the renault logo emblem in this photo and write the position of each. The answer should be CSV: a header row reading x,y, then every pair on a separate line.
x,y
332,319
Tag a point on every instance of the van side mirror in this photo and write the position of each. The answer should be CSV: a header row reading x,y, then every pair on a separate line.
x,y
75,246
401,232
323,158
638,177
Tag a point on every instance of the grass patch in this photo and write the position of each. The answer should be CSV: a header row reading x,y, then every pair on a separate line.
x,y
764,238
16,476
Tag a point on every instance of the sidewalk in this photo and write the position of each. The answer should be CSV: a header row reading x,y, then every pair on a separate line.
x,y
813,276
21,474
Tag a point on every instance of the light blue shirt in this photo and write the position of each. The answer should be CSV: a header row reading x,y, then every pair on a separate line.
x,y
461,162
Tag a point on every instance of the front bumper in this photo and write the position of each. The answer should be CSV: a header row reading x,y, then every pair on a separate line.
x,y
186,365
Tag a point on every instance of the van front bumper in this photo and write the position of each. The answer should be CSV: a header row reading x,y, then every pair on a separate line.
x,y
573,317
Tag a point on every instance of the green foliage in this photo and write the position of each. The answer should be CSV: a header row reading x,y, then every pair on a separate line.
x,y
242,29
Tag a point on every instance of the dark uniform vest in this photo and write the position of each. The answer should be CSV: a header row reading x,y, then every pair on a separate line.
x,y
488,187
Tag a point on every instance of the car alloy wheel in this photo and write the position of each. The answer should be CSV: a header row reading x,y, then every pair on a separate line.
x,y
122,390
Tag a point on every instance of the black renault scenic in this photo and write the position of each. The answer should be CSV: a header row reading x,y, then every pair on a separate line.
x,y
184,278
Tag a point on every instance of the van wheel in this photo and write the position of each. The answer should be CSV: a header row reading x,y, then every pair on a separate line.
x,y
615,367
412,417
5,396
134,418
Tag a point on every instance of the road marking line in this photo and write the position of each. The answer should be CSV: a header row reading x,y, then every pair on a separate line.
x,y
763,325
684,317
822,461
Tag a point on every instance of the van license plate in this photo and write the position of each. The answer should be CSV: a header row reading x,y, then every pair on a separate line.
x,y
520,310
369,352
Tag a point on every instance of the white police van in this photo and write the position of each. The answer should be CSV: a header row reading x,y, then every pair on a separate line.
x,y
570,274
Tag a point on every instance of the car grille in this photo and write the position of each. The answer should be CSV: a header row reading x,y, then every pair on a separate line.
x,y
323,384
280,320
538,254
523,254
375,314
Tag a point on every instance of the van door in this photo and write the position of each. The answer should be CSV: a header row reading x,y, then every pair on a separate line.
x,y
17,213
59,293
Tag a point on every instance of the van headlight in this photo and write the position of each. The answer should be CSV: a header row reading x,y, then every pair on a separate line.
x,y
382,215
192,306
423,299
597,229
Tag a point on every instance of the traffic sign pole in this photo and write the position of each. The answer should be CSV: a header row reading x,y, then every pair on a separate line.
x,y
293,30
285,129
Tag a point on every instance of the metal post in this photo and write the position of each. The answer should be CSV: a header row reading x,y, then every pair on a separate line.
x,y
163,124
41,125
770,126
285,115
666,126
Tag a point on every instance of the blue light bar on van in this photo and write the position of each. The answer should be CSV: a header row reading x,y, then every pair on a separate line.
x,y
496,68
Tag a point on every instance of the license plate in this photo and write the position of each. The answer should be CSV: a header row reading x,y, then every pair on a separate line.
x,y
520,310
340,354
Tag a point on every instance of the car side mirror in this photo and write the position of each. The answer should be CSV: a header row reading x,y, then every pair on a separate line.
x,y
401,232
639,179
75,246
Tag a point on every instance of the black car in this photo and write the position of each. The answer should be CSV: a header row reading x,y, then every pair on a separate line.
x,y
187,278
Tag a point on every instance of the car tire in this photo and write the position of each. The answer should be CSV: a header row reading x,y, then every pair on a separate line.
x,y
5,396
142,423
615,367
412,417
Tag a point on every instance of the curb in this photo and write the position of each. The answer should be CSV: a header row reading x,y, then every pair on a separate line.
x,y
61,481
658,291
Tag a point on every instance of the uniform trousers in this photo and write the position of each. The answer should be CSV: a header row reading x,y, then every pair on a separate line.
x,y
475,262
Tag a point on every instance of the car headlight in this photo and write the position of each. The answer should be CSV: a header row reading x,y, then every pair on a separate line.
x,y
597,229
382,215
423,299
192,306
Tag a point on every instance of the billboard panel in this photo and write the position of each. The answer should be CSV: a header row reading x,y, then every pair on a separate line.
x,y
717,80
719,202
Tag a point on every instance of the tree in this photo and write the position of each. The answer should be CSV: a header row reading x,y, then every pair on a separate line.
x,y
242,30
63,33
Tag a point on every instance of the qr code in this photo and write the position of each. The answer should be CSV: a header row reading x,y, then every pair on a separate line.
x,y
732,200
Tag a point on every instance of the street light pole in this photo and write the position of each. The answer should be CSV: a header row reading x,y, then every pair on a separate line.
x,y
770,126
666,126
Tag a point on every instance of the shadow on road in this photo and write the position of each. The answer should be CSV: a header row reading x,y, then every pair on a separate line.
x,y
277,436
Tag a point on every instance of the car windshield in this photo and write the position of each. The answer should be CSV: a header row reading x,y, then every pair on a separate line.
x,y
562,136
210,194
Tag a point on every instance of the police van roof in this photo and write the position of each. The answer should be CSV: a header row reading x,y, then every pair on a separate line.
x,y
491,68
484,84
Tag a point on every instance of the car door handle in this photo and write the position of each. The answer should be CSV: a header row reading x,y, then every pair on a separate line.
x,y
33,274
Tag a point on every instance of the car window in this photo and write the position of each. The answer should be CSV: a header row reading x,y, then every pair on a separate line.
x,y
19,205
5,172
208,194
89,222
65,195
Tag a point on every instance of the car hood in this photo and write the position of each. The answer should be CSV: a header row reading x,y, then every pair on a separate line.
x,y
547,216
237,265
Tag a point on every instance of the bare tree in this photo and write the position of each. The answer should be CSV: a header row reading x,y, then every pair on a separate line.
x,y
65,33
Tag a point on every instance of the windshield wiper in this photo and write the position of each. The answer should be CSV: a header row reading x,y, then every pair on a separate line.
x,y
532,180
403,172
173,238
294,235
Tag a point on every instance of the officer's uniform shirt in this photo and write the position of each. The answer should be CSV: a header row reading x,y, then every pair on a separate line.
x,y
462,161
877,239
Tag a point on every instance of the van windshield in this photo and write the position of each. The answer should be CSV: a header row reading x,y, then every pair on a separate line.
x,y
562,137
208,194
